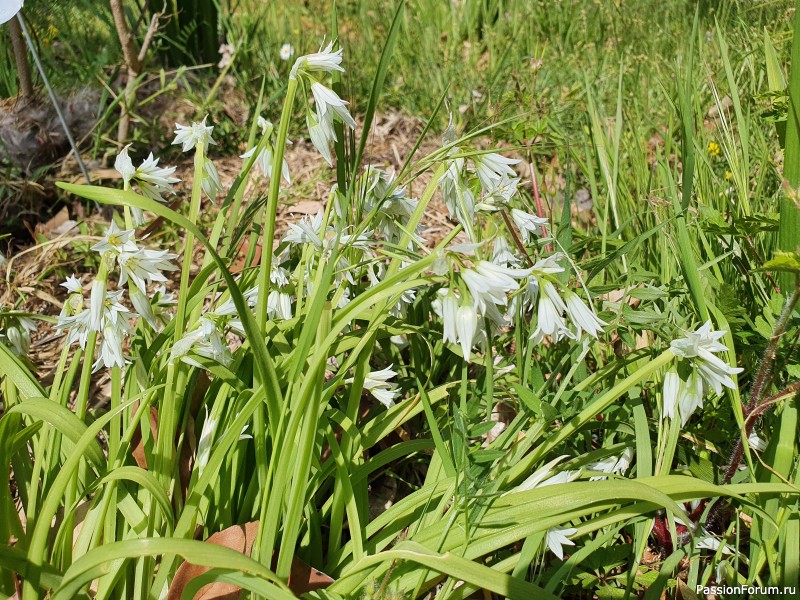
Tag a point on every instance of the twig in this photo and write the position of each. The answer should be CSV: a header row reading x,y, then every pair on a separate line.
x,y
21,58
133,64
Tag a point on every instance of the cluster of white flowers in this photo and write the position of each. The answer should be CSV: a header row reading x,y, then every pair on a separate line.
x,y
104,311
481,295
329,106
698,369
494,172
189,137
152,180
393,208
553,310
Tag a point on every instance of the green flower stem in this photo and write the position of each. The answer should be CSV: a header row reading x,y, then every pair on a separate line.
x,y
194,212
47,440
170,408
81,404
232,217
272,206
126,210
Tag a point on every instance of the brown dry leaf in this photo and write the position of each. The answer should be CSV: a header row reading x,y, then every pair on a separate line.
x,y
306,207
303,578
137,446
55,224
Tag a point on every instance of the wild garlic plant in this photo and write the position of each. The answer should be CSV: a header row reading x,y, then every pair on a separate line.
x,y
354,350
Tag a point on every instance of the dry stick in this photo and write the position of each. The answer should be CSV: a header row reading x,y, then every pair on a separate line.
x,y
756,407
21,58
132,62
764,375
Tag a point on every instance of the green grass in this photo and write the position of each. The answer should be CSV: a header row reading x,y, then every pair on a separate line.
x,y
665,113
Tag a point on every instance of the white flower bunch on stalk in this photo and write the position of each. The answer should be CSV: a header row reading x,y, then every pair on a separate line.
x,y
105,312
189,136
329,106
553,309
488,174
264,158
152,180
698,370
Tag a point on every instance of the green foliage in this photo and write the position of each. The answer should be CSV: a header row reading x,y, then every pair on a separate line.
x,y
668,131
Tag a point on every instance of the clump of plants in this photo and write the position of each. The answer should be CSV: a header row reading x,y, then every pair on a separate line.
x,y
537,447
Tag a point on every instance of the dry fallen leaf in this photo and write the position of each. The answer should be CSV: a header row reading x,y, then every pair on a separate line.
x,y
303,578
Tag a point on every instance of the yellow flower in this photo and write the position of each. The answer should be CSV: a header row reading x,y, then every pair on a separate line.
x,y
728,175
713,148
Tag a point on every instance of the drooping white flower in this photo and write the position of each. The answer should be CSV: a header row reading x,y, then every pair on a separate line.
x,y
325,61
320,124
490,168
550,321
206,341
141,303
393,208
17,332
111,354
320,129
124,165
211,184
499,194
544,476
558,538
489,283
286,52
279,305
449,312
151,179
502,254
73,285
116,241
529,225
328,101
755,442
612,464
682,396
306,231
154,180
698,347
264,158
698,370
191,135
584,318
466,329
710,542
378,384
76,326
458,197
144,266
